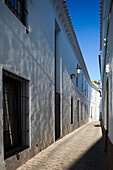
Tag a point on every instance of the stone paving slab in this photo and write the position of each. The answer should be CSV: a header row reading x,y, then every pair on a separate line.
x,y
80,150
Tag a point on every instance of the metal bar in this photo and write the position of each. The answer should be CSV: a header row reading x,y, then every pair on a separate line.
x,y
23,6
17,113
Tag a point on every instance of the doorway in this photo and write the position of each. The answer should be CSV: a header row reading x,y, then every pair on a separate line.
x,y
107,114
57,82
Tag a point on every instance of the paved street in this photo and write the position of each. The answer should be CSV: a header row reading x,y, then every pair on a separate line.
x,y
80,150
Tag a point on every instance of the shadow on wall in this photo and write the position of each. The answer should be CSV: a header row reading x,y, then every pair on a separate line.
x,y
93,159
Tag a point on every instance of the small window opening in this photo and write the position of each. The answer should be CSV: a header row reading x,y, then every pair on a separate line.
x,y
85,88
78,110
76,81
18,7
82,84
87,110
15,114
82,111
71,110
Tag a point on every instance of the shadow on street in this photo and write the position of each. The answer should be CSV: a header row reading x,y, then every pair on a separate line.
x,y
94,159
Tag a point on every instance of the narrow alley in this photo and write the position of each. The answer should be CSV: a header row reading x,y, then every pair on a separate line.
x,y
56,84
80,150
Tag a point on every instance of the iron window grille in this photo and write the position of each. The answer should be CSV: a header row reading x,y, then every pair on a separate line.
x,y
15,114
71,110
76,81
87,90
78,110
85,111
82,84
81,110
18,7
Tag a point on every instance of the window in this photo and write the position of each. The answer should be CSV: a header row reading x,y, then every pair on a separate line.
x,y
82,111
18,7
76,81
85,87
85,111
15,114
87,90
78,110
71,110
82,84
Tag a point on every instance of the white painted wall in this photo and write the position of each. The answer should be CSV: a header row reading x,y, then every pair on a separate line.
x,y
109,59
94,105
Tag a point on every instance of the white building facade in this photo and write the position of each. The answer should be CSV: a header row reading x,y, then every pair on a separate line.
x,y
106,67
39,101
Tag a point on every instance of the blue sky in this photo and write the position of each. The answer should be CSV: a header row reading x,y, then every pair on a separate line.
x,y
85,18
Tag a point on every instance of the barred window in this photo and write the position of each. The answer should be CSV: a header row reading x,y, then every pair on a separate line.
x,y
76,81
15,114
71,110
77,110
82,111
85,111
87,90
82,84
18,7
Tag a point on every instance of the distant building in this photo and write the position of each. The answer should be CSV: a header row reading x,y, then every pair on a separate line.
x,y
106,70
97,84
40,101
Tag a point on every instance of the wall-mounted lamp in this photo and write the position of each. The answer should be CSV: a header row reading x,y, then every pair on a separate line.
x,y
107,68
78,72
105,41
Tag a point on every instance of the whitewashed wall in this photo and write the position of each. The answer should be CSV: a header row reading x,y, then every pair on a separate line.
x,y
109,60
95,105
32,57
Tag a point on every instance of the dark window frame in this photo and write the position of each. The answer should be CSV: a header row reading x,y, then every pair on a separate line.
x,y
85,111
18,7
15,114
82,111
82,84
72,110
87,90
76,81
78,102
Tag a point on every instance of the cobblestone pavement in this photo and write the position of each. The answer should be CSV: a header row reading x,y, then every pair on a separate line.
x,y
80,150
